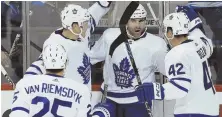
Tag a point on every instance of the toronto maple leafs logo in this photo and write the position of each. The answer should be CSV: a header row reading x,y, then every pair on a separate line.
x,y
74,11
85,70
123,74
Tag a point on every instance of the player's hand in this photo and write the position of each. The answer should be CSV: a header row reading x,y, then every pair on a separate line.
x,y
195,21
149,92
103,110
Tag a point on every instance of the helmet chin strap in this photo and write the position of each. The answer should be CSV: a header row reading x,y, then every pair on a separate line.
x,y
80,34
133,36
169,39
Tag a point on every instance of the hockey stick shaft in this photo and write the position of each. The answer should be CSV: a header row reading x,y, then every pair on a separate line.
x,y
158,23
17,37
104,93
7,77
105,88
137,74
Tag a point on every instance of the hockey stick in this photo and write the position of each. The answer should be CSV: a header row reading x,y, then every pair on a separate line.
x,y
103,100
123,38
7,77
14,47
105,88
137,74
158,23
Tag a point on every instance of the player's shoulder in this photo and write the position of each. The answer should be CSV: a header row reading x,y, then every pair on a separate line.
x,y
76,85
33,78
30,79
155,39
180,52
111,33
154,42
149,35
55,37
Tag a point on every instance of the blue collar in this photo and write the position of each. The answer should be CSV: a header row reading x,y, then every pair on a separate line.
x,y
54,75
187,41
59,32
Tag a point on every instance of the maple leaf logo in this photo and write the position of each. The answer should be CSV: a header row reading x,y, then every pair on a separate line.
x,y
85,70
123,74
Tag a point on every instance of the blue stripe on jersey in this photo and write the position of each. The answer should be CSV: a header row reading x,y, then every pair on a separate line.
x,y
194,115
21,109
120,95
32,73
183,79
37,67
206,42
178,86
197,26
54,75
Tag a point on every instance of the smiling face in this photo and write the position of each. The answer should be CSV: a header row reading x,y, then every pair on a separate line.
x,y
136,26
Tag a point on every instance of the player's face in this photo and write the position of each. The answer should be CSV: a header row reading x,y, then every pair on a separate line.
x,y
77,29
136,26
169,34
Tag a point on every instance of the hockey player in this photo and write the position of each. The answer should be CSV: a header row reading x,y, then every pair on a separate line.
x,y
148,51
51,95
188,72
78,24
211,11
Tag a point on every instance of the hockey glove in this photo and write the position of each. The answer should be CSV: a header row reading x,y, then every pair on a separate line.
x,y
105,4
149,92
195,21
103,110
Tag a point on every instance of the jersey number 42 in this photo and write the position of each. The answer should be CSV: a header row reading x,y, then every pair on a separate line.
x,y
178,70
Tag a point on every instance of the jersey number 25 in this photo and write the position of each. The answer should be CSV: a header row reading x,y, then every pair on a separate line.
x,y
46,105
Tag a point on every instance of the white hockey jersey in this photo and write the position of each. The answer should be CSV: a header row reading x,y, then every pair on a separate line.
x,y
189,77
50,96
79,66
148,52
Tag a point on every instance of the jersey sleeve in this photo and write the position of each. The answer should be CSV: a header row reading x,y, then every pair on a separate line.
x,y
36,68
20,105
98,51
97,12
85,107
179,75
198,36
159,57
